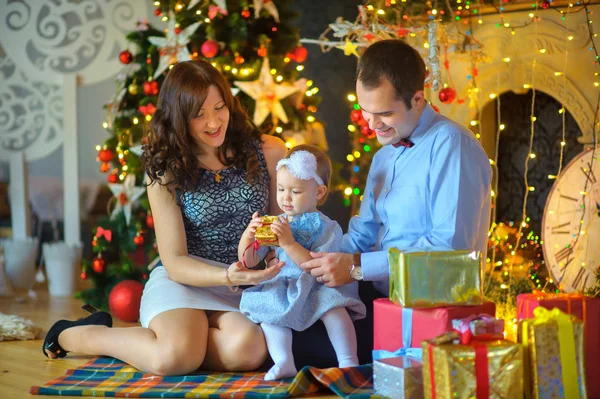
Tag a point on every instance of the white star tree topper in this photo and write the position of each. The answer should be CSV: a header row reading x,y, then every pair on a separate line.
x,y
126,195
267,94
173,47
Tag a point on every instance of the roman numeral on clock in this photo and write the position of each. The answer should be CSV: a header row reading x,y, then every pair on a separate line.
x,y
589,175
578,278
569,198
563,254
555,229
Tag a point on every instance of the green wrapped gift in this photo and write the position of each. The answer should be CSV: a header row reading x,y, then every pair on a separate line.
x,y
433,279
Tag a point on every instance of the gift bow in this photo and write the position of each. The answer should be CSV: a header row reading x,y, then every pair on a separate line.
x,y
107,234
566,342
406,350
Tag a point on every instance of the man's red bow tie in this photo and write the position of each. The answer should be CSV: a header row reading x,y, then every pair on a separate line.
x,y
404,143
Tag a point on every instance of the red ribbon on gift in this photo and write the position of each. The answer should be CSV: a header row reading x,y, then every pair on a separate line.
x,y
482,377
107,234
254,245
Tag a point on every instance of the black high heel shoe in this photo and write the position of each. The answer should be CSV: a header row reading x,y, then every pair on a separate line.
x,y
51,341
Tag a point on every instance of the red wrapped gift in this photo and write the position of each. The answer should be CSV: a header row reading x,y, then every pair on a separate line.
x,y
586,309
427,323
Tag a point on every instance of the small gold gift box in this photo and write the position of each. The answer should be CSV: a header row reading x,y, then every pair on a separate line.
x,y
264,235
491,369
554,355
433,279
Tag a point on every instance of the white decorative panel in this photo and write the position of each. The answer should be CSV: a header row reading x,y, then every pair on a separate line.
x,y
49,38
31,113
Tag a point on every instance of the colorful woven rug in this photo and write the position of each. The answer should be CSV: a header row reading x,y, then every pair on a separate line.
x,y
109,377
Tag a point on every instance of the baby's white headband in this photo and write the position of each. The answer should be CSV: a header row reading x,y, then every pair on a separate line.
x,y
302,165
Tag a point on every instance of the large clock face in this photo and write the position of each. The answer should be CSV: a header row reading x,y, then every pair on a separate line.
x,y
571,224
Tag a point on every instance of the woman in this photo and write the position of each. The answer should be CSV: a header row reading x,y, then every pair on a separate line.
x,y
209,169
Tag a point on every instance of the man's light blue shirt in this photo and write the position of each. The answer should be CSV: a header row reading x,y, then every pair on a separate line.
x,y
433,196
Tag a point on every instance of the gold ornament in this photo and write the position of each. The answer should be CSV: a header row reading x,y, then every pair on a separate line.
x,y
132,89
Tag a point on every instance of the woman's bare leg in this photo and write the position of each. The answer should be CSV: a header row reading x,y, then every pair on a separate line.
x,y
234,343
176,342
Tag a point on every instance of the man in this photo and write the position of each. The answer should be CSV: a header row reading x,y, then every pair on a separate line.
x,y
428,187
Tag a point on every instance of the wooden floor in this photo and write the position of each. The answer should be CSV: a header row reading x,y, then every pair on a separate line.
x,y
22,363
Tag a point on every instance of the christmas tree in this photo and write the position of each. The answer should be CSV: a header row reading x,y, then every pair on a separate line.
x,y
254,44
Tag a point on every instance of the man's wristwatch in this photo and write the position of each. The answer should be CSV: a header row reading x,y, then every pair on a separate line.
x,y
356,269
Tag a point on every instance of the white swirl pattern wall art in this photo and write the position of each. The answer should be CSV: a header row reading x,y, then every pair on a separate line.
x,y
50,38
42,42
31,113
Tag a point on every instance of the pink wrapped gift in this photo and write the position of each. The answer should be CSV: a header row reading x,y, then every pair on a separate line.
x,y
480,324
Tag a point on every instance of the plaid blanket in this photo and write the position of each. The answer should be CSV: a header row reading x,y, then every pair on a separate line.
x,y
112,378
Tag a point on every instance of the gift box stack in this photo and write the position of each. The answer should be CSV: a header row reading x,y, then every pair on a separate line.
x,y
431,294
561,334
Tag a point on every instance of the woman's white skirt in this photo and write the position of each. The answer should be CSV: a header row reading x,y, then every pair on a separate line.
x,y
162,294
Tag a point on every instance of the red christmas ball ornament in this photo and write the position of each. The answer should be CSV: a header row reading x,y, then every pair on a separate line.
x,y
151,88
124,300
104,167
112,178
99,265
177,30
157,12
356,115
209,48
125,57
545,4
447,95
245,13
300,54
262,51
138,240
106,155
239,59
150,221
83,275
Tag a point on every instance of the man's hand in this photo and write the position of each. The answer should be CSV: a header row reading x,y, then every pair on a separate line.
x,y
332,269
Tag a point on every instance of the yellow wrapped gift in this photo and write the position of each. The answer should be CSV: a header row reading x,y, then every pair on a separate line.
x,y
554,355
478,369
264,235
433,279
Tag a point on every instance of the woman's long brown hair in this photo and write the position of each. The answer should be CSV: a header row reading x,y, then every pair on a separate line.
x,y
171,154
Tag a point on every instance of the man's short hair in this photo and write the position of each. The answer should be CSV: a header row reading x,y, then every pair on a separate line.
x,y
395,61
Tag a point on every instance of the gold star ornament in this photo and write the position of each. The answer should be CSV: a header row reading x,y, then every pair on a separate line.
x,y
267,94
